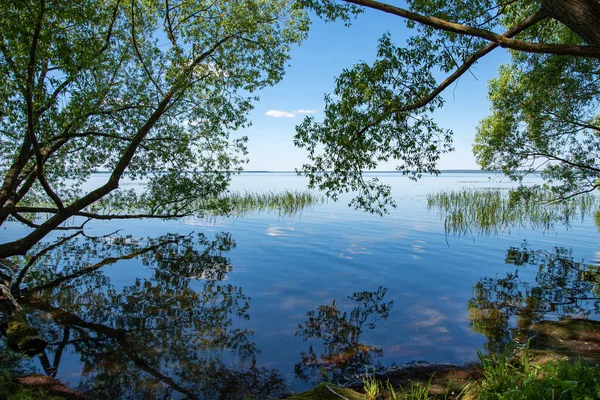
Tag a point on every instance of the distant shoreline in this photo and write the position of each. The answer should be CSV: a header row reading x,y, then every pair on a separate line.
x,y
444,171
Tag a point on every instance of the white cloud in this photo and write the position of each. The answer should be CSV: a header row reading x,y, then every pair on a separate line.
x,y
288,114
280,114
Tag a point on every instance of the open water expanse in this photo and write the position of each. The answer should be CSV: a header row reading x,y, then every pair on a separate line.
x,y
281,301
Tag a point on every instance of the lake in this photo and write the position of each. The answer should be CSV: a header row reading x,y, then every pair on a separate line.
x,y
282,302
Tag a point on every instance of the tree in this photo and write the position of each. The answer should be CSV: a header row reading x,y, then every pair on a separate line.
x,y
543,104
147,90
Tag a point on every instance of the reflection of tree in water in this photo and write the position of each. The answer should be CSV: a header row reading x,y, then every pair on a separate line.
x,y
157,337
504,308
339,331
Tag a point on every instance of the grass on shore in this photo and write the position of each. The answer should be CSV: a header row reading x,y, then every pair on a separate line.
x,y
503,378
521,378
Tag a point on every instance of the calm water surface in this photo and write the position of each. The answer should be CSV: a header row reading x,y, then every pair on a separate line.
x,y
330,289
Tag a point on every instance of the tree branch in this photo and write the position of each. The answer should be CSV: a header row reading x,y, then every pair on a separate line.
x,y
501,40
94,267
137,51
49,210
31,114
563,160
468,63
72,78
32,224
69,319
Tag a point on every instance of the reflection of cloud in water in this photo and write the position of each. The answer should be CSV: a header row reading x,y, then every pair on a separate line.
x,y
418,249
354,249
421,228
400,233
280,231
402,350
206,221
310,231
425,316
291,302
430,325
441,329
428,317
271,293
429,340
210,276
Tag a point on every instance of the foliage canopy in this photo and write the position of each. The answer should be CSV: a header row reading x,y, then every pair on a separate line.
x,y
544,103
131,87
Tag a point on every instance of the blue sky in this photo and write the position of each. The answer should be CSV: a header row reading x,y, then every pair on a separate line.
x,y
329,49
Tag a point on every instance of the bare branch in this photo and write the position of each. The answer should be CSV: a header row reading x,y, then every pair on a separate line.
x,y
94,267
32,224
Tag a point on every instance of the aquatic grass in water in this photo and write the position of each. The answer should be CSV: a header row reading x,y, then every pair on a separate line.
x,y
286,203
493,211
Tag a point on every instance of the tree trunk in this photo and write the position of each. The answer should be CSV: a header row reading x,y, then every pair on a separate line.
x,y
20,335
581,16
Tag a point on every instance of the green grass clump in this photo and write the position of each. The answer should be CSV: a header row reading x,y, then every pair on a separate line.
x,y
521,379
371,386
378,390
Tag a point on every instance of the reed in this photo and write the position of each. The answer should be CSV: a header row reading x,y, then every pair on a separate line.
x,y
285,203
486,212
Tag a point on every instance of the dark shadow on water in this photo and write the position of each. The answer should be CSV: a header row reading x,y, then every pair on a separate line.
x,y
155,338
503,309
